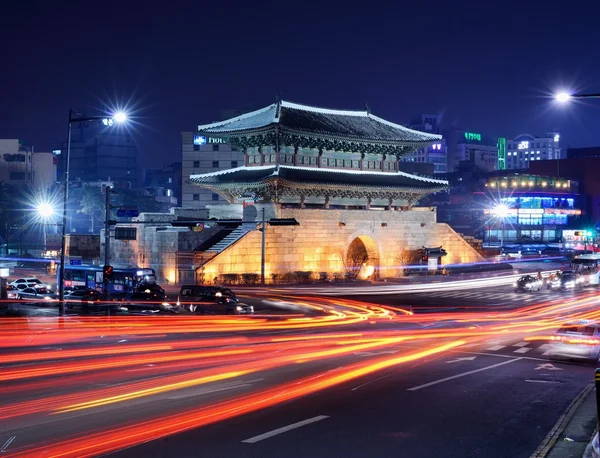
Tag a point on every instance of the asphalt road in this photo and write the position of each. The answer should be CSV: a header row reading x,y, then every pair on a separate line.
x,y
503,410
460,377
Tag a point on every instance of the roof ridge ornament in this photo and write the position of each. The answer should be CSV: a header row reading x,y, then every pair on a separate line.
x,y
367,109
278,103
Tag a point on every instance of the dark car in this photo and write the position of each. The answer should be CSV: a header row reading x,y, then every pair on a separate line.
x,y
86,297
569,280
528,283
211,300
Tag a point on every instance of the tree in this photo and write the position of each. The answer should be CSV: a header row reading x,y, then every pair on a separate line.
x,y
93,204
406,257
355,259
132,199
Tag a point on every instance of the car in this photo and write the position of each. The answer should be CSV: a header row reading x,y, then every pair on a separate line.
x,y
211,300
528,283
85,296
569,280
35,294
580,340
26,282
12,292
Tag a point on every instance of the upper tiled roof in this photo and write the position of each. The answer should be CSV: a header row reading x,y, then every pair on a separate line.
x,y
302,119
317,175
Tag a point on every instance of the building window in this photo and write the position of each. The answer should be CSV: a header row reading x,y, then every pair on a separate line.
x,y
196,197
215,197
196,164
233,164
215,164
215,147
196,147
170,180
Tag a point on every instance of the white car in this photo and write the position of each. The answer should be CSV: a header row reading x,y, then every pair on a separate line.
x,y
580,340
27,282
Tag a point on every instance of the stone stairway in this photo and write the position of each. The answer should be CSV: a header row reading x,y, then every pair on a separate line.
x,y
233,237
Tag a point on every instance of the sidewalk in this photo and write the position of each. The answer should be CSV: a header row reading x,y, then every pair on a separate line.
x,y
571,435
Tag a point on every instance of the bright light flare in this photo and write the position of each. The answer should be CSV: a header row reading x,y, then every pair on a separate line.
x,y
45,210
501,211
120,117
563,97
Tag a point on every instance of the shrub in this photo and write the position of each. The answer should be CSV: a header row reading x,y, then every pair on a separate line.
x,y
250,279
230,279
303,276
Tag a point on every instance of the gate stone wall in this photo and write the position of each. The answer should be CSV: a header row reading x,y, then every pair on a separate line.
x,y
320,242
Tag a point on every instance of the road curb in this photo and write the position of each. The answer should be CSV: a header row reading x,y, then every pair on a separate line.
x,y
550,440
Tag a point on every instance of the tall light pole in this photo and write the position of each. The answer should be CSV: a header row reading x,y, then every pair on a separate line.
x,y
501,212
75,117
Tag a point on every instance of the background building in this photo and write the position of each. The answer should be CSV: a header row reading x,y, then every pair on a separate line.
x,y
21,166
436,154
526,148
202,154
164,184
102,153
474,147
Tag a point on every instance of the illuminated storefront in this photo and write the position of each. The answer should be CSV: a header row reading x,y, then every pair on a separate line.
x,y
528,208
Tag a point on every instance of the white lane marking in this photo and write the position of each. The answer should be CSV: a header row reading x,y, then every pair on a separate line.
x,y
284,429
500,355
446,379
496,348
546,353
465,358
542,381
521,344
547,366
7,443
370,381
522,350
497,296
529,300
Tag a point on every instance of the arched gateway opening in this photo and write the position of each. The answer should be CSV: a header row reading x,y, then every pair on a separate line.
x,y
362,258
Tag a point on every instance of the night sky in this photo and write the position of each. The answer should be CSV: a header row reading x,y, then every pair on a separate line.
x,y
486,66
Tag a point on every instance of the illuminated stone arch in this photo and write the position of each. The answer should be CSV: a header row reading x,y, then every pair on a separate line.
x,y
359,241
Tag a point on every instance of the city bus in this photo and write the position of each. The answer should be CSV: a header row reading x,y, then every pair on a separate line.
x,y
588,265
123,280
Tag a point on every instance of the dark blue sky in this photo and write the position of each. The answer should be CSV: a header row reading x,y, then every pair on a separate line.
x,y
486,66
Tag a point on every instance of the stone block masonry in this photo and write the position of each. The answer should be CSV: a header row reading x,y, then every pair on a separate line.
x,y
321,241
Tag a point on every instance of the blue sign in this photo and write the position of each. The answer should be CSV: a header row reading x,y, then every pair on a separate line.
x,y
597,227
199,140
128,212
75,262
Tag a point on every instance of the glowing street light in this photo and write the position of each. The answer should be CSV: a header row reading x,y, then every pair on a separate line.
x,y
500,211
118,117
563,97
45,210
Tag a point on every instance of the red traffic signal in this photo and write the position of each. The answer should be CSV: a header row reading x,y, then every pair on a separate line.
x,y
108,271
424,258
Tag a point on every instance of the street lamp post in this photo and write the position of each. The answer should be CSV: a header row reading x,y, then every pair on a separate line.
x,y
75,117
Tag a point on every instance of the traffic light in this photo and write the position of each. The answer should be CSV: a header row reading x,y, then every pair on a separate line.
x,y
108,271
425,258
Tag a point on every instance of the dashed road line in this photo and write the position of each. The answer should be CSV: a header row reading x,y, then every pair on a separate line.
x,y
496,348
464,374
521,344
522,350
284,429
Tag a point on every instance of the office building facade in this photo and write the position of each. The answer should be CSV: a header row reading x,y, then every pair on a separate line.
x,y
202,154
526,148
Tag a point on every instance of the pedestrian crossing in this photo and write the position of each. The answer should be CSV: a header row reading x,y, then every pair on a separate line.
x,y
537,348
484,297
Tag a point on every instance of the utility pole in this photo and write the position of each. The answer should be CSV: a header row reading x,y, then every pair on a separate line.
x,y
262,253
107,242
